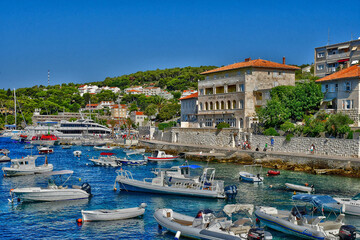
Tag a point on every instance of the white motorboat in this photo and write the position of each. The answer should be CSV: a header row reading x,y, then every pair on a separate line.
x,y
300,188
298,223
106,159
161,156
77,153
45,150
26,166
4,155
183,173
66,147
111,215
206,226
54,192
350,205
134,162
208,187
104,148
250,177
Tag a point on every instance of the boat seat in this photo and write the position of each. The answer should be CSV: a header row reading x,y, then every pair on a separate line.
x,y
330,225
63,187
182,222
240,229
241,222
76,187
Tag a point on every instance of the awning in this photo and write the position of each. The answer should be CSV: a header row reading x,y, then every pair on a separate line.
x,y
354,48
355,62
344,46
343,60
328,99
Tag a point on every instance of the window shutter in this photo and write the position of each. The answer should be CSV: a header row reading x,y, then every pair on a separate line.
x,y
323,88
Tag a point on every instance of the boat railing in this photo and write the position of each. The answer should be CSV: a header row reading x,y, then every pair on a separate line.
x,y
124,174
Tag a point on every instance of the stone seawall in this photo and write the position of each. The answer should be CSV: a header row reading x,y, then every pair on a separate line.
x,y
229,138
323,146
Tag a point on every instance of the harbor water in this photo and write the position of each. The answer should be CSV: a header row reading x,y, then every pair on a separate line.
x,y
57,220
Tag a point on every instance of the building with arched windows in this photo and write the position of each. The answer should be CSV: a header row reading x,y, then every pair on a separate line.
x,y
232,93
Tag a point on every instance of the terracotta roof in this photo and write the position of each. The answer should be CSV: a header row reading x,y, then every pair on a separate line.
x,y
194,95
81,86
139,113
350,72
259,63
92,105
132,90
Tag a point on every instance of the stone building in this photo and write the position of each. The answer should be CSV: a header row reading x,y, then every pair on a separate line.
x,y
189,110
119,111
335,57
232,93
341,92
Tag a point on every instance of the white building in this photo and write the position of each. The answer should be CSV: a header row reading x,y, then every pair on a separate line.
x,y
187,93
189,111
138,118
165,94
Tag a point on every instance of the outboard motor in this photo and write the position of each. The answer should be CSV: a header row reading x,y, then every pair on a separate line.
x,y
258,234
347,232
86,187
230,191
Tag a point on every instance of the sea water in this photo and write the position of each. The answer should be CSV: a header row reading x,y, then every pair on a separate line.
x,y
57,220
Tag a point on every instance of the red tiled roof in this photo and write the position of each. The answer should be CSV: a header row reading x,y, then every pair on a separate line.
x,y
139,113
259,63
194,95
92,105
133,90
350,72
81,86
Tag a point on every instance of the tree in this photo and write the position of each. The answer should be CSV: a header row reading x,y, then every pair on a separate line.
x,y
151,110
133,107
338,124
169,111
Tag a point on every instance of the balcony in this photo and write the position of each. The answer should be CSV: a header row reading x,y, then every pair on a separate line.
x,y
331,70
338,56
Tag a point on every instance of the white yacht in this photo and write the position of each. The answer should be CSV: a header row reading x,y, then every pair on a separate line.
x,y
81,127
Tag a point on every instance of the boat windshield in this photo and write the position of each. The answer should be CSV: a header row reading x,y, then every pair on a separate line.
x,y
298,211
201,213
357,197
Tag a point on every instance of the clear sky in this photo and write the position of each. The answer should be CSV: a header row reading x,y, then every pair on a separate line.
x,y
84,41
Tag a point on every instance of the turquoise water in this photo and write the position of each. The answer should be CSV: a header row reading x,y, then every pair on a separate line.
x,y
58,220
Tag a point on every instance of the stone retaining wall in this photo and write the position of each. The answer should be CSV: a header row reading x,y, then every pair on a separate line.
x,y
323,146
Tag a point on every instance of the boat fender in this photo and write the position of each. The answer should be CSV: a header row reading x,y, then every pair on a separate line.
x,y
177,235
143,205
79,221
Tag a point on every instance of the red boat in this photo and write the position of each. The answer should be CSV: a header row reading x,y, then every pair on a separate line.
x,y
273,172
159,156
45,150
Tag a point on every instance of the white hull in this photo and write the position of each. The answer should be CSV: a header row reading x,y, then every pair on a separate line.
x,y
299,188
48,195
19,172
105,163
176,189
349,206
111,215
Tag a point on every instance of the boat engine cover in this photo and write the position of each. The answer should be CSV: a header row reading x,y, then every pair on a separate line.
x,y
258,233
230,191
86,187
347,232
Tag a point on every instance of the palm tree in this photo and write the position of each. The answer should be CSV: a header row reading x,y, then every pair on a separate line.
x,y
129,124
159,102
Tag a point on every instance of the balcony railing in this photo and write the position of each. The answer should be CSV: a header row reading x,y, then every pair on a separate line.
x,y
339,55
331,69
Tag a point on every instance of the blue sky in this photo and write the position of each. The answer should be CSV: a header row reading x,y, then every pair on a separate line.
x,y
84,41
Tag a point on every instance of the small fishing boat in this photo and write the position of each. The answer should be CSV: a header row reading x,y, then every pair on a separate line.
x,y
300,188
29,146
208,187
273,172
45,150
250,177
350,205
297,222
160,156
77,153
111,215
106,159
66,147
104,148
53,192
4,155
26,166
207,226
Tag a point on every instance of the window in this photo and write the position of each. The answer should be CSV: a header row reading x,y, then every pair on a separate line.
x,y
231,122
227,75
201,91
231,88
215,77
208,91
336,87
207,78
222,105
219,120
200,106
241,88
211,106
320,67
241,104
241,123
219,90
280,73
326,88
347,104
217,106
206,106
228,105
208,122
347,86
332,88
248,72
238,73
269,73
321,54
234,104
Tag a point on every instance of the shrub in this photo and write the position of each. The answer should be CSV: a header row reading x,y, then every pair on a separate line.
x,y
163,126
223,125
271,132
287,126
350,135
288,137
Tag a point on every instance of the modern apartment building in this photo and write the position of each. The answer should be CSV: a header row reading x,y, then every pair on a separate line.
x,y
335,57
341,92
232,93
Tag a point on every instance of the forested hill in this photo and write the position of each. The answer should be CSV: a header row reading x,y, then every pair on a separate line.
x,y
171,79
